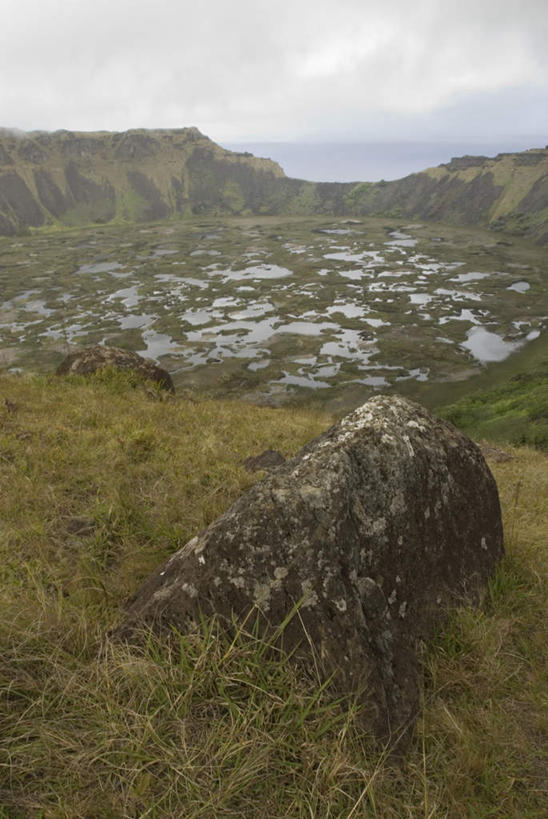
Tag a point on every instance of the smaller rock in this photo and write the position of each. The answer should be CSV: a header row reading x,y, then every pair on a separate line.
x,y
91,359
268,460
494,454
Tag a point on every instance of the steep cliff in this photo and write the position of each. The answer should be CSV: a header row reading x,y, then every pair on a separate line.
x,y
508,192
80,178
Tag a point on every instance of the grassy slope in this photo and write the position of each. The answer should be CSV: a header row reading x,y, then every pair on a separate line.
x,y
516,411
99,482
507,402
507,193
516,180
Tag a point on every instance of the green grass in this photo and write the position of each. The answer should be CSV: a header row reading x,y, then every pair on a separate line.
x,y
99,482
521,378
516,412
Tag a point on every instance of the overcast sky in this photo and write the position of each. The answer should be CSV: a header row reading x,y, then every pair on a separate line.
x,y
252,70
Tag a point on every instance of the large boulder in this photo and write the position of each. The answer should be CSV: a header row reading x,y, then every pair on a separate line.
x,y
91,359
376,529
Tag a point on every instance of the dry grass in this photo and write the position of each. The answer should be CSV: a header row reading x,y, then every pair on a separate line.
x,y
98,483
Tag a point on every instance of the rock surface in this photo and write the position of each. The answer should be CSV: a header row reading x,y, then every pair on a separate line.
x,y
378,527
91,359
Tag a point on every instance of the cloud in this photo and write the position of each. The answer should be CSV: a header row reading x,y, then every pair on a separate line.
x,y
257,69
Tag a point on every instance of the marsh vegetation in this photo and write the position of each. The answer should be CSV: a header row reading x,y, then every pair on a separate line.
x,y
276,310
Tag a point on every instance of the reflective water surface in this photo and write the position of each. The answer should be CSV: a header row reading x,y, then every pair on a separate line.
x,y
273,307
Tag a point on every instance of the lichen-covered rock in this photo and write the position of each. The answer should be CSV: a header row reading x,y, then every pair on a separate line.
x,y
376,528
91,359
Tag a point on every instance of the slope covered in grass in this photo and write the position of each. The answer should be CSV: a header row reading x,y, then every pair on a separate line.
x,y
99,481
516,412
506,403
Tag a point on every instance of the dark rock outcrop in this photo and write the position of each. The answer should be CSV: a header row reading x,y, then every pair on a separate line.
x,y
17,200
49,193
154,205
376,529
495,454
91,359
97,198
462,163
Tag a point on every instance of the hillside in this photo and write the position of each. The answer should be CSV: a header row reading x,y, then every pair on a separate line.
x,y
67,178
100,481
80,178
508,192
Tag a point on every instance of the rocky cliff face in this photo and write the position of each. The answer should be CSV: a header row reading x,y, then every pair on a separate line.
x,y
78,178
81,178
508,192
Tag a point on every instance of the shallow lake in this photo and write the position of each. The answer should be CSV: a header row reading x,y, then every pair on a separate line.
x,y
274,309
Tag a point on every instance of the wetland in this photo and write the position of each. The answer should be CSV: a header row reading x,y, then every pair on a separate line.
x,y
276,310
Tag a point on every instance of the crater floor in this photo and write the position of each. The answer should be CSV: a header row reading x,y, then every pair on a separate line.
x,y
275,309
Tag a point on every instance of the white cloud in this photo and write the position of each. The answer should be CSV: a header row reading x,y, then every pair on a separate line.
x,y
257,69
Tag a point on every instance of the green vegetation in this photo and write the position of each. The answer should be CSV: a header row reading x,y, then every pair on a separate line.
x,y
516,412
85,178
102,479
521,377
306,201
99,481
349,314
131,206
508,403
233,197
359,195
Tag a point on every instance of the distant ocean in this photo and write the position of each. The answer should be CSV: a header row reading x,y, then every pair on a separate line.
x,y
371,161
